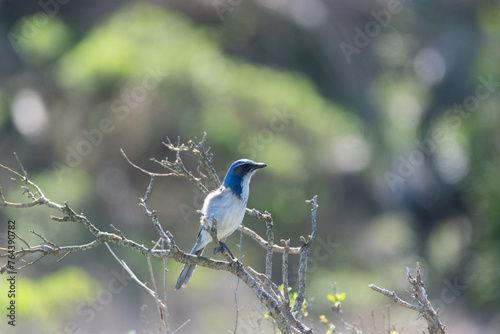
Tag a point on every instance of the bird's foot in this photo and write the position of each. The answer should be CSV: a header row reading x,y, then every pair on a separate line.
x,y
238,264
223,247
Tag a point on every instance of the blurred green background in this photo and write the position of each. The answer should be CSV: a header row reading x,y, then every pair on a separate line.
x,y
388,111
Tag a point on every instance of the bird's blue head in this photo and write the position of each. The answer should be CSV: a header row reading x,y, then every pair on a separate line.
x,y
239,174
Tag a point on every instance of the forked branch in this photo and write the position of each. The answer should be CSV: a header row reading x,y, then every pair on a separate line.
x,y
419,295
262,286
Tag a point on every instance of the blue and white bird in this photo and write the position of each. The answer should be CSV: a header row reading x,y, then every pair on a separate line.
x,y
227,205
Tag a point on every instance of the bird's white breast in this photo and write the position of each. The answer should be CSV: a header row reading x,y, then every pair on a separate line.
x,y
227,208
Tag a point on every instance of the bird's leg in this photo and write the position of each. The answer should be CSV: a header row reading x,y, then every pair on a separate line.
x,y
219,247
223,247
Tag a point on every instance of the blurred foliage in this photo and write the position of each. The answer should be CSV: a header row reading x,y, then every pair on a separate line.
x,y
49,44
267,86
50,301
236,102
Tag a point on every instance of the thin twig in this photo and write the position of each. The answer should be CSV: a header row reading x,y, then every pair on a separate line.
x,y
25,174
264,244
63,257
181,326
304,255
206,160
132,275
43,238
237,286
159,305
395,298
269,253
142,169
165,271
263,288
286,245
269,285
19,237
152,214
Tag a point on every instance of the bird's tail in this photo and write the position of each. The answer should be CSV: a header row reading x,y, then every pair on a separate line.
x,y
187,270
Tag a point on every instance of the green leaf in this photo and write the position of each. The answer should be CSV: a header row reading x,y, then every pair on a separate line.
x,y
337,298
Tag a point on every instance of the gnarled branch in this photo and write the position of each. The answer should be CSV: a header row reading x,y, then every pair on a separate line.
x,y
419,294
263,288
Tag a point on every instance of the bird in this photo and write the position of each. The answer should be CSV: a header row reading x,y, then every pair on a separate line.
x,y
227,205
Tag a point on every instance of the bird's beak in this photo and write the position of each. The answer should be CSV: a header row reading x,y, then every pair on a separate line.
x,y
259,165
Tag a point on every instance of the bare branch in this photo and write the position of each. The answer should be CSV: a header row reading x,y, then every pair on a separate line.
x,y
162,308
152,214
19,237
12,171
2,197
263,288
25,175
419,294
264,244
268,285
43,238
199,151
304,255
263,217
269,253
205,158
63,257
45,250
395,298
181,326
142,169
240,256
284,270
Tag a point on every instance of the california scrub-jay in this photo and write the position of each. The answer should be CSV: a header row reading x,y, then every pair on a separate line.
x,y
227,205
